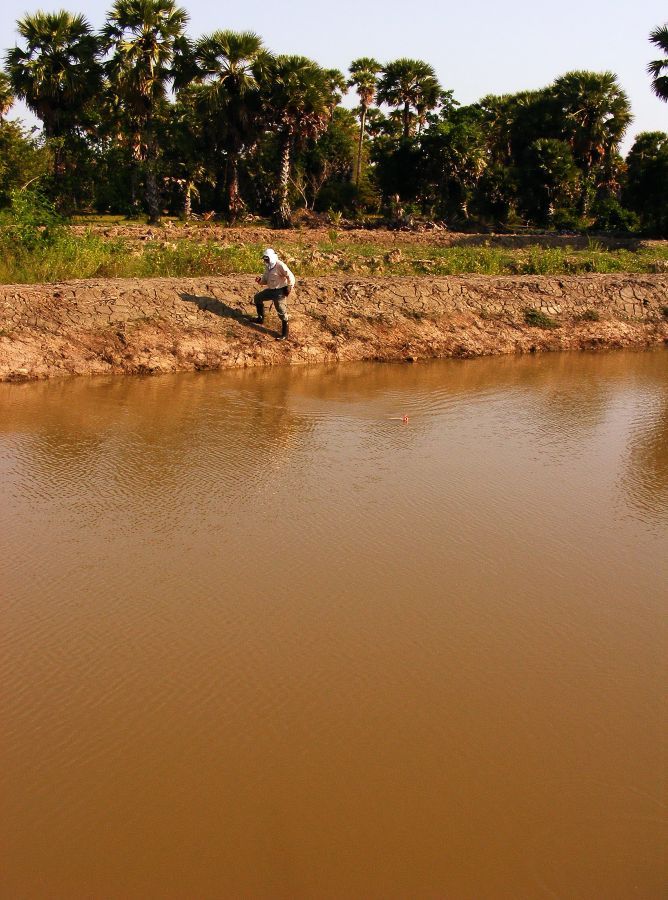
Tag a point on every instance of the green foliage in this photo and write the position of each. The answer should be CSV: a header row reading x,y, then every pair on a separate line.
x,y
646,190
593,115
454,158
6,95
337,198
297,98
49,251
58,72
538,319
329,162
658,68
397,166
245,131
567,219
30,222
590,315
611,217
549,179
230,68
411,86
22,159
364,78
144,38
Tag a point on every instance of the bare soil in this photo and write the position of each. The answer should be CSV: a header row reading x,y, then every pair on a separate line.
x,y
147,326
252,234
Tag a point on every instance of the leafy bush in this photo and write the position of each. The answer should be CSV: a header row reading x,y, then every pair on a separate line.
x,y
589,315
23,159
538,319
613,218
568,220
30,221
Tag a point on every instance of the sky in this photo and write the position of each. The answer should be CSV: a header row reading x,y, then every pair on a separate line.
x,y
486,47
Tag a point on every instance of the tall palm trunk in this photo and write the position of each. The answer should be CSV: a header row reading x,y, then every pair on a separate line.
x,y
136,153
152,193
584,201
360,145
187,200
407,119
234,201
57,148
59,164
283,213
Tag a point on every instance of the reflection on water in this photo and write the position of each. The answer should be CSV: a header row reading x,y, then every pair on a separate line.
x,y
646,475
263,640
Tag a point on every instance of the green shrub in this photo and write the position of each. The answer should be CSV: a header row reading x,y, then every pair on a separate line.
x,y
576,264
30,221
568,220
538,319
613,218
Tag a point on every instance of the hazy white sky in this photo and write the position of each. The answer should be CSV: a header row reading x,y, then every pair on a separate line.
x,y
476,48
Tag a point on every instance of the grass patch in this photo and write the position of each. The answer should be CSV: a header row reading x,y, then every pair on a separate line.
x,y
65,256
589,315
538,319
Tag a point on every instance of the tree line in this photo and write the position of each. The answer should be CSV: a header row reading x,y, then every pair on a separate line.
x,y
140,117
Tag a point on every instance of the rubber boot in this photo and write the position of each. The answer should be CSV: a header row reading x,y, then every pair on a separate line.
x,y
259,306
285,330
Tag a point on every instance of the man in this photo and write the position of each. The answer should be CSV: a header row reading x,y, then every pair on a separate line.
x,y
280,281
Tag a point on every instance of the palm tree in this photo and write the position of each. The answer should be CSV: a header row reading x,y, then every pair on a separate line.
x,y
337,87
6,95
57,73
499,111
363,77
230,65
182,146
410,84
143,36
658,69
594,113
297,98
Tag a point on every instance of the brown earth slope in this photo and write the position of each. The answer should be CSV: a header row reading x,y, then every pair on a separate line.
x,y
167,325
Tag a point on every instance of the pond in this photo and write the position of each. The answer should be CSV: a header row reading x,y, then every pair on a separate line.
x,y
262,638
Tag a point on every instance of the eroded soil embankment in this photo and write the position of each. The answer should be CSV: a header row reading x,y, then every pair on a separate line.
x,y
168,325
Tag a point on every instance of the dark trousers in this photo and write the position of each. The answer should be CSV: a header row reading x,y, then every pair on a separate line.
x,y
278,297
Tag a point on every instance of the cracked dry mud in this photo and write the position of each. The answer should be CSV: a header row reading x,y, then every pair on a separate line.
x,y
166,325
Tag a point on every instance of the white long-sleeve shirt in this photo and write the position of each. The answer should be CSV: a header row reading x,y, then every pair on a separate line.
x,y
278,276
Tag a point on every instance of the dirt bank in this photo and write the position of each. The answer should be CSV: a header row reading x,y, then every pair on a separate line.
x,y
167,325
382,237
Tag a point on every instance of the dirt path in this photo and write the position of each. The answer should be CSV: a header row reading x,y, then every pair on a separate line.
x,y
382,237
168,325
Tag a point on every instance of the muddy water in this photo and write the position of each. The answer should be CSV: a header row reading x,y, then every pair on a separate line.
x,y
262,640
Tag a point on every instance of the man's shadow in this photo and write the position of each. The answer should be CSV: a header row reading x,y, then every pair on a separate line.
x,y
218,308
